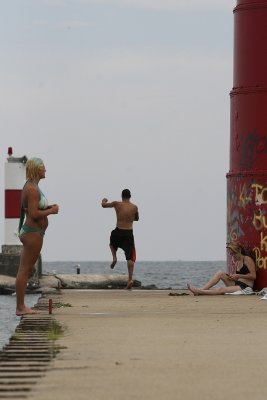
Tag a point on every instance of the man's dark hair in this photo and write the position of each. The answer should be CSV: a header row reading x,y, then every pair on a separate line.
x,y
126,194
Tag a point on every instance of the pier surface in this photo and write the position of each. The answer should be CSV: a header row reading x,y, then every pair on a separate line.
x,y
146,345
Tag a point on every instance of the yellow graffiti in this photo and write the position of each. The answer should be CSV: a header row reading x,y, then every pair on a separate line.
x,y
259,221
263,242
260,194
261,262
239,220
243,198
233,236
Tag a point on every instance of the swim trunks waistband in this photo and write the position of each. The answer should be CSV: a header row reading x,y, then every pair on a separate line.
x,y
123,230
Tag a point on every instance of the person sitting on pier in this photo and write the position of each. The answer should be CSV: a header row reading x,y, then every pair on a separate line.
x,y
243,277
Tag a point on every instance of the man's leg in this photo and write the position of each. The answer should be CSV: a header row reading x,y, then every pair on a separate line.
x,y
130,265
114,256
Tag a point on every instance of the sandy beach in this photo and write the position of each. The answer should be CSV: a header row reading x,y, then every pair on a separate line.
x,y
147,345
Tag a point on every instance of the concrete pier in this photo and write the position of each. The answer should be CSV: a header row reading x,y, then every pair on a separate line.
x,y
146,345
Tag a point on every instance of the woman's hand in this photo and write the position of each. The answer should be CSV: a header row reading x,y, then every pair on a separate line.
x,y
234,277
54,208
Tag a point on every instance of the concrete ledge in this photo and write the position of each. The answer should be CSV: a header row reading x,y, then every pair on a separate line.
x,y
49,281
7,284
94,281
69,281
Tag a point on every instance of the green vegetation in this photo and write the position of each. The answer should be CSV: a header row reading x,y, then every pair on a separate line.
x,y
56,331
59,305
16,336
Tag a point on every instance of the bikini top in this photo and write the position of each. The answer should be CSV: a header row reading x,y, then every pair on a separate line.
x,y
243,270
43,202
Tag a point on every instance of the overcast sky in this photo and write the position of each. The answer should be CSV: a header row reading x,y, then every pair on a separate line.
x,y
116,94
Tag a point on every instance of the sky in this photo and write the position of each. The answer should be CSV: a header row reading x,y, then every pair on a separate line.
x,y
116,94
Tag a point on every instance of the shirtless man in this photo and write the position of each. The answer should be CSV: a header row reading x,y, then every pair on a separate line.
x,y
122,236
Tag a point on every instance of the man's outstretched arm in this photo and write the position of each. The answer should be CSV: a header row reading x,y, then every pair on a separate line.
x,y
106,204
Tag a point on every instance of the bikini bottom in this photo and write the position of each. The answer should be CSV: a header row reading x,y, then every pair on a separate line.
x,y
28,229
242,285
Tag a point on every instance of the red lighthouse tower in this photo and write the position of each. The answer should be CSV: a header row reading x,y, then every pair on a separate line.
x,y
247,177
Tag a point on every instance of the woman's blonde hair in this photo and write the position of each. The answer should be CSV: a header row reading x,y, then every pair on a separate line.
x,y
234,247
32,167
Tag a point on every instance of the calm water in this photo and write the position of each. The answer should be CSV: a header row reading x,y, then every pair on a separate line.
x,y
8,319
164,275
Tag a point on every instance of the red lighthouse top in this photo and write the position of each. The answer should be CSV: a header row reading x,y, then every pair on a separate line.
x,y
10,151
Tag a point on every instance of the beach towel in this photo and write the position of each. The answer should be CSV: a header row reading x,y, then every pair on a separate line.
x,y
247,291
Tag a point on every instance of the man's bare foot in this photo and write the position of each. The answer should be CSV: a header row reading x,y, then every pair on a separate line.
x,y
192,289
26,310
112,265
129,284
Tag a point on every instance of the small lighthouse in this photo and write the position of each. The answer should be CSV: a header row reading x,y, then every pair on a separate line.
x,y
15,177
14,181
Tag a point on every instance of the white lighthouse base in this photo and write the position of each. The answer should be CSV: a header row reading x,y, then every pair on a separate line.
x,y
12,249
9,263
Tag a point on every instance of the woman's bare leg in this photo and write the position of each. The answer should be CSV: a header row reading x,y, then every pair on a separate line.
x,y
217,277
32,245
217,291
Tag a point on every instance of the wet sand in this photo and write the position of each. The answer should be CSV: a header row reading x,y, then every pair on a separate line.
x,y
146,345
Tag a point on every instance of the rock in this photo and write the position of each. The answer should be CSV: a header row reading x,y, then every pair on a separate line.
x,y
94,281
50,281
7,284
150,287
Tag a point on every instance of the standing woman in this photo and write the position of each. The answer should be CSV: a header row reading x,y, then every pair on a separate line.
x,y
31,231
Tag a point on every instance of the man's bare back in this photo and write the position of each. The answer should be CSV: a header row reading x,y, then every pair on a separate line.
x,y
126,212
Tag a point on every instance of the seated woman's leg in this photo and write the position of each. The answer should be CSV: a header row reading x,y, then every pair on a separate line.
x,y
217,291
217,277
